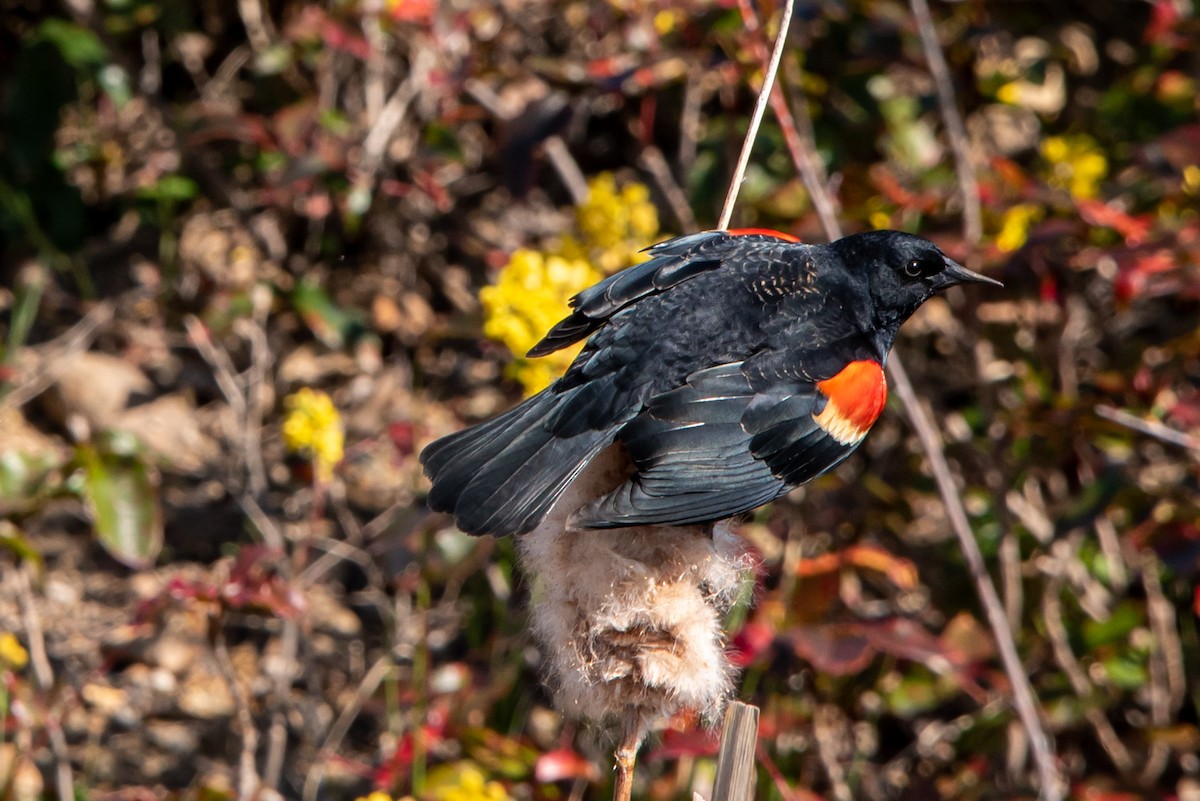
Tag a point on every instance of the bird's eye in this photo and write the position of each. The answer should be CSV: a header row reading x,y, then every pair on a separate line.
x,y
924,266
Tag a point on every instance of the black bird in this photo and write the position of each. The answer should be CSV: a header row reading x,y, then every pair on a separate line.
x,y
731,366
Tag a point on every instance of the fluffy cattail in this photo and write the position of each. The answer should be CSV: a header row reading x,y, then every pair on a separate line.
x,y
631,619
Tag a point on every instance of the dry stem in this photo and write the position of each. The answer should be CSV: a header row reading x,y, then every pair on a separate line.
x,y
764,94
626,755
1057,632
955,130
1151,428
1052,786
1023,698
43,674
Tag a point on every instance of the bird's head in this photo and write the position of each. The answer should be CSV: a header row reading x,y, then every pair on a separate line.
x,y
902,271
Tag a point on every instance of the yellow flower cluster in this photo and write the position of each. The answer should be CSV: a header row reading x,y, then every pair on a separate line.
x,y
531,292
528,298
314,427
1191,179
1014,226
463,781
615,224
1076,164
12,654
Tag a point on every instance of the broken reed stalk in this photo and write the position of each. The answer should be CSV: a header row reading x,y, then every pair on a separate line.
x,y
736,774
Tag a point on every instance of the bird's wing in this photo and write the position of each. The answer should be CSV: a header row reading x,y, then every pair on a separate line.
x,y
718,447
670,263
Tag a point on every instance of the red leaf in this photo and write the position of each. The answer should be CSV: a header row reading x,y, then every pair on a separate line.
x,y
695,742
401,435
838,649
750,643
564,763
1164,16
901,572
1133,229
1185,413
254,584
418,11
1135,274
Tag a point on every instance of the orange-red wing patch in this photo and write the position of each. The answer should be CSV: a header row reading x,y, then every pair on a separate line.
x,y
763,232
856,398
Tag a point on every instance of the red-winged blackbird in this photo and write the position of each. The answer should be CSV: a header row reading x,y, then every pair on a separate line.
x,y
731,366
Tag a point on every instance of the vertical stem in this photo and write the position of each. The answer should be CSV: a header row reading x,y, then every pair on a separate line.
x,y
1024,700
955,129
626,756
760,107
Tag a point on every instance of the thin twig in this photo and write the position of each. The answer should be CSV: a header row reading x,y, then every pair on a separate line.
x,y
219,362
52,356
366,688
255,332
1024,701
567,168
555,147
1059,643
43,674
259,29
277,734
968,185
1166,667
1151,428
777,778
760,107
270,532
374,91
689,120
803,158
653,161
1052,786
391,116
827,731
1110,545
248,779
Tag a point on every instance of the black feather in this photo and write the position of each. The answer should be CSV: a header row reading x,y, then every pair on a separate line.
x,y
704,362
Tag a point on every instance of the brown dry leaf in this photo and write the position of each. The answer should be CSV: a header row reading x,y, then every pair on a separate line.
x,y
205,694
307,365
169,430
95,386
222,249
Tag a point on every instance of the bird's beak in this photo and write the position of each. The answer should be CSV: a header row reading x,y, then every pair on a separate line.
x,y
955,274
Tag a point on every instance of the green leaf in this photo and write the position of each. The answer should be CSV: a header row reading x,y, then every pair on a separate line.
x,y
78,46
176,188
1126,672
24,477
115,83
332,324
1126,617
12,540
121,494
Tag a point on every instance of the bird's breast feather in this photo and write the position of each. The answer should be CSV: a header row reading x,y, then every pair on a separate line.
x,y
855,399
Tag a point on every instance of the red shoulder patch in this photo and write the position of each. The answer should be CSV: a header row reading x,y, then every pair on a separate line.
x,y
763,232
856,399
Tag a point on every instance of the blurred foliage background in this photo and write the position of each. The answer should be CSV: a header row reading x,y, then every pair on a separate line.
x,y
256,254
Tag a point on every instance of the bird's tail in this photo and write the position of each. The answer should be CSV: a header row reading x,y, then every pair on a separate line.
x,y
501,477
